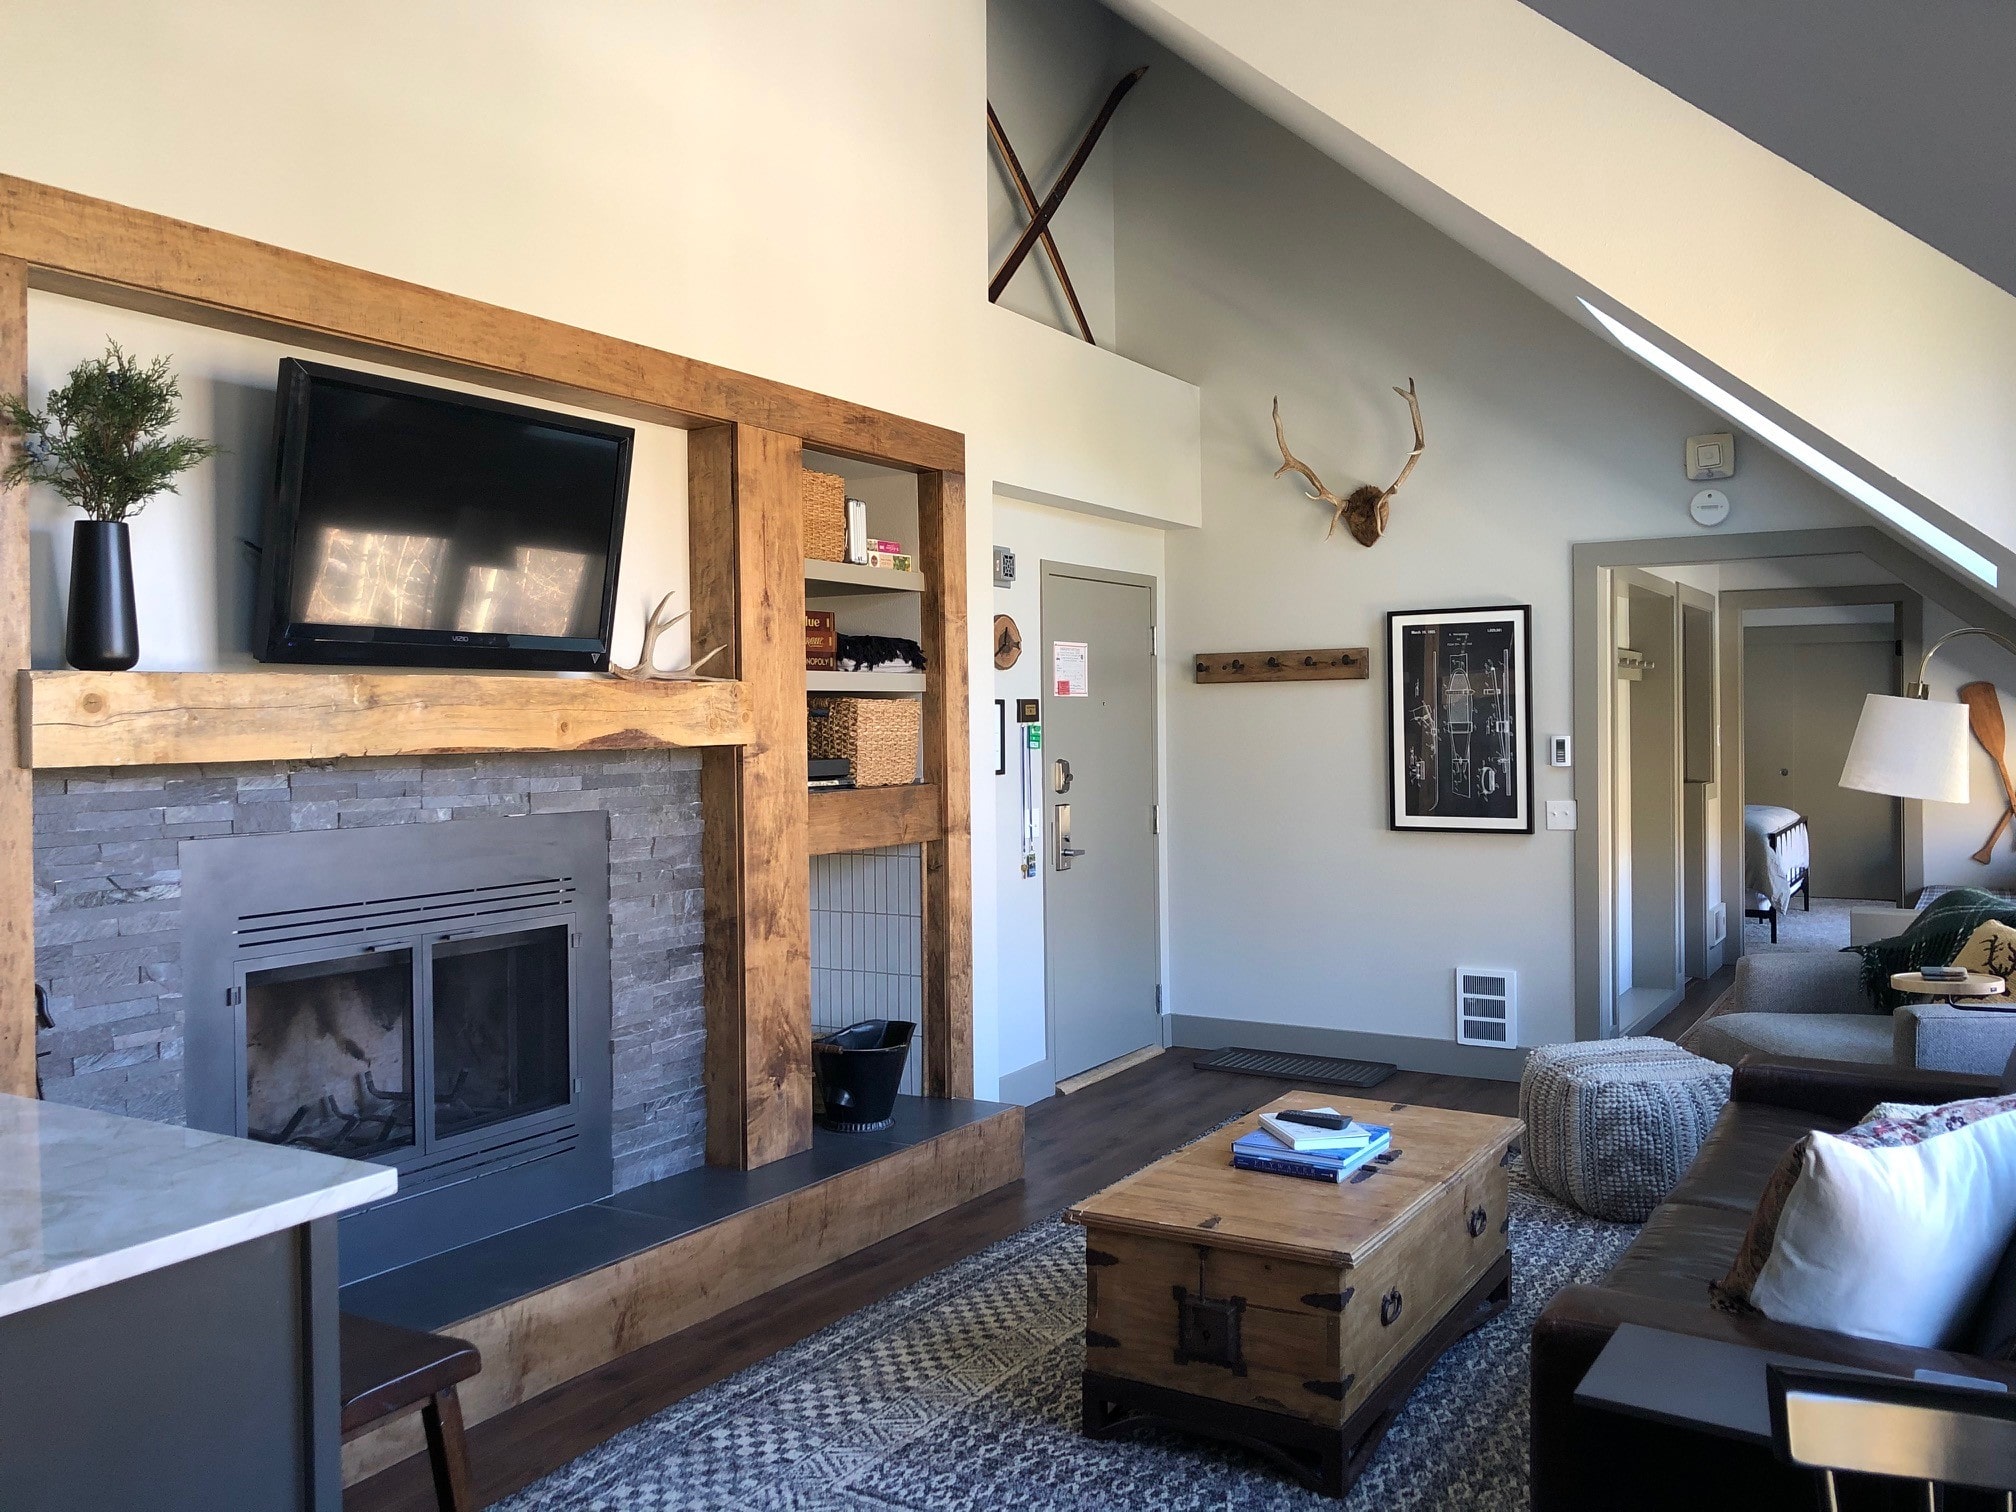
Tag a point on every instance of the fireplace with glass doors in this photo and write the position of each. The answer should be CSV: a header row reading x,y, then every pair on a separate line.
x,y
434,997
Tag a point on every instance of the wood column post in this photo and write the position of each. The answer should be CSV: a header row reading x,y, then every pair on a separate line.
x,y
17,802
748,553
948,862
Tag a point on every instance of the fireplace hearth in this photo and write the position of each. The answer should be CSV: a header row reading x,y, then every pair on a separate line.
x,y
435,998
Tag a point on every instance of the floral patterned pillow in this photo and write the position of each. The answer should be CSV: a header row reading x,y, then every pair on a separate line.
x,y
1732,1292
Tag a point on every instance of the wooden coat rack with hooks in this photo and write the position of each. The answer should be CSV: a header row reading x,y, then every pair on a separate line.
x,y
1331,664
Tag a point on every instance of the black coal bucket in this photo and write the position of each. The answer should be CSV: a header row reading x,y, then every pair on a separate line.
x,y
857,1070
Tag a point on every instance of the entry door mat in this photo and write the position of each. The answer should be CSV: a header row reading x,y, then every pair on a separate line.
x,y
1320,1070
960,1394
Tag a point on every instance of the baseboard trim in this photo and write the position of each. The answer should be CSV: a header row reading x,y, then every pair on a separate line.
x,y
1644,1018
1031,1084
1408,1052
1113,1067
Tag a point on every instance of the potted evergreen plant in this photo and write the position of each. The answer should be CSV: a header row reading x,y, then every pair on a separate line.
x,y
102,444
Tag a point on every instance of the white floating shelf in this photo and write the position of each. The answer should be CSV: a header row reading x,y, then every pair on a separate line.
x,y
864,682
839,579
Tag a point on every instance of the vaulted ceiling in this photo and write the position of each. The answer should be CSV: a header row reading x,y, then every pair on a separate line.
x,y
1867,354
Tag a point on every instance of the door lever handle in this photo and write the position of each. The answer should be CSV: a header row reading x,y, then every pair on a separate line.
x,y
1068,851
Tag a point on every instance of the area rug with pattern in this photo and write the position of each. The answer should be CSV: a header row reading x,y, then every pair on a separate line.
x,y
960,1394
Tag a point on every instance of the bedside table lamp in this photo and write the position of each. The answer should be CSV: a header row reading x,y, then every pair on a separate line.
x,y
1911,747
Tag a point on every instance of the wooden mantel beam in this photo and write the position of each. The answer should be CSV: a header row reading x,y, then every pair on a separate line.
x,y
138,719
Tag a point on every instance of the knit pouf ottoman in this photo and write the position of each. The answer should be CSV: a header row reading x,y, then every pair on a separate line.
x,y
1611,1125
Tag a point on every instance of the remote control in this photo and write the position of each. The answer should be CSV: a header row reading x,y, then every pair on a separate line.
x,y
1943,974
1313,1119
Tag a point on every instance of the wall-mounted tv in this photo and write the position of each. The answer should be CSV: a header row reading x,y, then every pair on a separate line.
x,y
418,526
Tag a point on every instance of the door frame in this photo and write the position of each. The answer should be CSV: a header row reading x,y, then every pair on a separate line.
x,y
1622,581
1589,566
1048,570
1908,610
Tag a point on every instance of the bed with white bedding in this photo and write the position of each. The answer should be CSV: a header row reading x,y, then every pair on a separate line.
x,y
1776,857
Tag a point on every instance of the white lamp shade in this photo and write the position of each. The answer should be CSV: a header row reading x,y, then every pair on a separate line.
x,y
1909,748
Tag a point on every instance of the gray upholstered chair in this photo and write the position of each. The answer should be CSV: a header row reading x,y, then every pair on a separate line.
x,y
1811,1004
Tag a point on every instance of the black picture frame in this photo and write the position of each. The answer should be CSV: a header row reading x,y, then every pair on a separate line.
x,y
1459,720
1001,737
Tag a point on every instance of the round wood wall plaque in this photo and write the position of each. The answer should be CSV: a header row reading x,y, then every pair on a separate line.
x,y
1007,642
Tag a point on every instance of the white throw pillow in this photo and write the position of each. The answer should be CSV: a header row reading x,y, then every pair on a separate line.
x,y
1893,1243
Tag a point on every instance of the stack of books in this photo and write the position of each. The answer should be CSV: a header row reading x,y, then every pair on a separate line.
x,y
1283,1147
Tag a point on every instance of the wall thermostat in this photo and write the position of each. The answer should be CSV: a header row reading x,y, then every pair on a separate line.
x,y
1711,457
1004,566
1709,507
1559,751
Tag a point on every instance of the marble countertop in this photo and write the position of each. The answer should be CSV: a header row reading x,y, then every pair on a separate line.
x,y
87,1198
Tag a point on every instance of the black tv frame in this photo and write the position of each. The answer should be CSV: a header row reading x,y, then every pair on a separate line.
x,y
278,638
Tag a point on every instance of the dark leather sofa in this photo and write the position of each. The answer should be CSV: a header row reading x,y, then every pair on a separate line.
x,y
1588,1459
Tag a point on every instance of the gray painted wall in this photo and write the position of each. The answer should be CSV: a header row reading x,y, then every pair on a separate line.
x,y
1252,265
1803,688
1906,108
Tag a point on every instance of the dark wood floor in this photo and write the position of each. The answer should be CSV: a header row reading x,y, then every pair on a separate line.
x,y
1701,993
1076,1145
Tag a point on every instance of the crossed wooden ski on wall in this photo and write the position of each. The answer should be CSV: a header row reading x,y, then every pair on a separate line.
x,y
1041,214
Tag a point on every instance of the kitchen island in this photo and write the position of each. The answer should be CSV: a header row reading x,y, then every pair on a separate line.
x,y
168,1319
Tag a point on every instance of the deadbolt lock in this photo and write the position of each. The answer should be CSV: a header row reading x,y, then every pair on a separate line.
x,y
1060,775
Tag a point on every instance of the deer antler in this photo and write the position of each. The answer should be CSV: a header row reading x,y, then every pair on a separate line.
x,y
1365,509
655,625
1289,463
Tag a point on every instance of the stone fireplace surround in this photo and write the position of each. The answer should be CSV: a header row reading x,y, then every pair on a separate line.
x,y
108,912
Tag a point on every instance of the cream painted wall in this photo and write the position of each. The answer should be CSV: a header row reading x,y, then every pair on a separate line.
x,y
788,187
1084,428
1252,265
1579,175
1037,534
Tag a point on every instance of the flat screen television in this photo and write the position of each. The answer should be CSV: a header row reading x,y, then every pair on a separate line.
x,y
418,526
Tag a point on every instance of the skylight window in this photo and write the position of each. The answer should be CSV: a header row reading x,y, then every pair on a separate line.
x,y
1811,457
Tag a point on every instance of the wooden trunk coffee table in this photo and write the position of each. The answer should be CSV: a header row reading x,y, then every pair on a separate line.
x,y
1293,1316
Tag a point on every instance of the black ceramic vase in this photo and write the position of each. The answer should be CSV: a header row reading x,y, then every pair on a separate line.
x,y
103,634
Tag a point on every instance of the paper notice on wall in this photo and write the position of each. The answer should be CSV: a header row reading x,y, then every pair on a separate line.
x,y
1071,669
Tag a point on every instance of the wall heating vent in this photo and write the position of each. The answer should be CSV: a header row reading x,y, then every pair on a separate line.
x,y
1485,1011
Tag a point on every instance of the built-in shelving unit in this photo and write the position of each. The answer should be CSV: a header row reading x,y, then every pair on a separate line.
x,y
87,719
845,580
865,682
848,819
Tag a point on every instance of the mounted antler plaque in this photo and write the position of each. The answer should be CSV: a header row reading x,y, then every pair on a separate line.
x,y
1334,664
1365,509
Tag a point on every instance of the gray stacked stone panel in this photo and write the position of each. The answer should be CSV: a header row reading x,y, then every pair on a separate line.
x,y
108,905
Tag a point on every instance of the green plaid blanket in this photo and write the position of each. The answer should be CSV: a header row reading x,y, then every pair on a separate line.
x,y
1933,939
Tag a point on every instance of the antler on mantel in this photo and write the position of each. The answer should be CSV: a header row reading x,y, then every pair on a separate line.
x,y
1365,509
656,623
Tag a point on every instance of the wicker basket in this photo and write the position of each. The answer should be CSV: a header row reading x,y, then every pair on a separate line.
x,y
825,497
879,735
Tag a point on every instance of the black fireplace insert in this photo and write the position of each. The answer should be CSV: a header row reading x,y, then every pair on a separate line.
x,y
434,997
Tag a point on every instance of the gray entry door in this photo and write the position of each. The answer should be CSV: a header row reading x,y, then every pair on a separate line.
x,y
1099,906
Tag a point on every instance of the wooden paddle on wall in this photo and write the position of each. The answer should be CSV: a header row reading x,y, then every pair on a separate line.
x,y
1984,718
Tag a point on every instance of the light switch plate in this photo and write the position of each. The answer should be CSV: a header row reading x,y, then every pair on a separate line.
x,y
1560,751
1560,813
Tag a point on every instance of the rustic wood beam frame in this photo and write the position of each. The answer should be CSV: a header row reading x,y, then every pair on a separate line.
x,y
748,433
